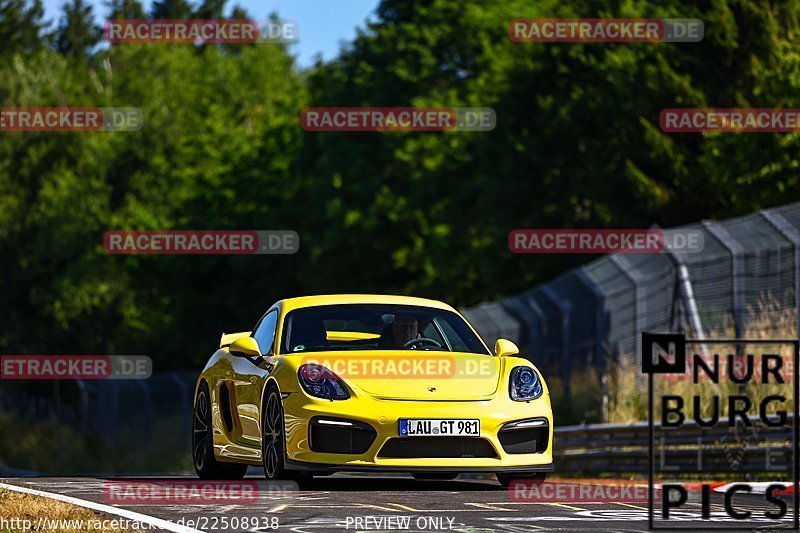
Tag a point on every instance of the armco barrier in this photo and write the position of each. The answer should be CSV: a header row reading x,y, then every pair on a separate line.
x,y
615,448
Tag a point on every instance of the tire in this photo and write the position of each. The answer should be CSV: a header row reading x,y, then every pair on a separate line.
x,y
273,442
205,464
435,476
537,478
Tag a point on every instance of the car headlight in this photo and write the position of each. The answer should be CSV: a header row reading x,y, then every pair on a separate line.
x,y
318,381
524,384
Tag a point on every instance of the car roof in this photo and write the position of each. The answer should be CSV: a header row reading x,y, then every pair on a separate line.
x,y
333,299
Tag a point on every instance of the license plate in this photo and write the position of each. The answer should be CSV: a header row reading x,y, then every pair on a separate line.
x,y
416,427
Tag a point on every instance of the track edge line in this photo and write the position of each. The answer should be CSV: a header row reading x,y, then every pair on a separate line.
x,y
124,513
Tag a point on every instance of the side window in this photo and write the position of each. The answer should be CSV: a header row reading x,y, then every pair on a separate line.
x,y
456,341
431,332
265,334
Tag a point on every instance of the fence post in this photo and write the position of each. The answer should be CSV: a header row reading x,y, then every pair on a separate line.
x,y
792,234
600,335
638,307
563,307
599,313
687,295
542,322
719,232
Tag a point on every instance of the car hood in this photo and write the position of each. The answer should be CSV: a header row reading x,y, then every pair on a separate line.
x,y
415,374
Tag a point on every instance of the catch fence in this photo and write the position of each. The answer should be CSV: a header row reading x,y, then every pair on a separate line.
x,y
744,283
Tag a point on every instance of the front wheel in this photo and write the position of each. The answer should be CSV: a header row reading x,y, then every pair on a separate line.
x,y
273,442
537,479
205,464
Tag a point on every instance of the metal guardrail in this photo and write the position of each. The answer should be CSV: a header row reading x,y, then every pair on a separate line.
x,y
685,450
103,407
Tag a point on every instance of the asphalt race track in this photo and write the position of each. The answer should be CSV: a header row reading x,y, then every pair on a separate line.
x,y
361,503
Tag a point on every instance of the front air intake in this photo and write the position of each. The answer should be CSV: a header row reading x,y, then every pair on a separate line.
x,y
525,436
338,435
437,448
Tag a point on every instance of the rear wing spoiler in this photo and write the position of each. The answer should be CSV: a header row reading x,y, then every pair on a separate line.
x,y
228,338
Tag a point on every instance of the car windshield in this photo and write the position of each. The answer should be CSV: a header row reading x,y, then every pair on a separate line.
x,y
377,327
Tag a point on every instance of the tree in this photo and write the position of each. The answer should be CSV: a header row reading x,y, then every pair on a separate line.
x,y
239,13
22,26
217,151
77,34
170,9
210,10
124,10
577,143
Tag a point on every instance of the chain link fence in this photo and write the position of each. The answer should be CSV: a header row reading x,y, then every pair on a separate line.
x,y
587,323
80,427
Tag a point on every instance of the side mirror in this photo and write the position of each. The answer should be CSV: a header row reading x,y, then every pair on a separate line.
x,y
245,347
505,347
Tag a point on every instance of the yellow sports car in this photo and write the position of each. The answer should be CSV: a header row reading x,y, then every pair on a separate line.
x,y
369,383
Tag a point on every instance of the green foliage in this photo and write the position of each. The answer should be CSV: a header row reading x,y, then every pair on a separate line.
x,y
210,9
22,26
124,9
77,34
216,152
170,9
577,144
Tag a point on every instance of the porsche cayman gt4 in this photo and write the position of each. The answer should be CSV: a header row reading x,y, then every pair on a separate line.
x,y
369,383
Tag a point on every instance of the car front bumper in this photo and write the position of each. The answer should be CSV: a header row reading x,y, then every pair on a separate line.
x,y
383,415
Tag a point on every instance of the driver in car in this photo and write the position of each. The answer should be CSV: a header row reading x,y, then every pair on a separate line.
x,y
405,328
399,332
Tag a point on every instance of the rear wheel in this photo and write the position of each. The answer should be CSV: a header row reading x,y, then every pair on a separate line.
x,y
438,476
537,479
205,464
